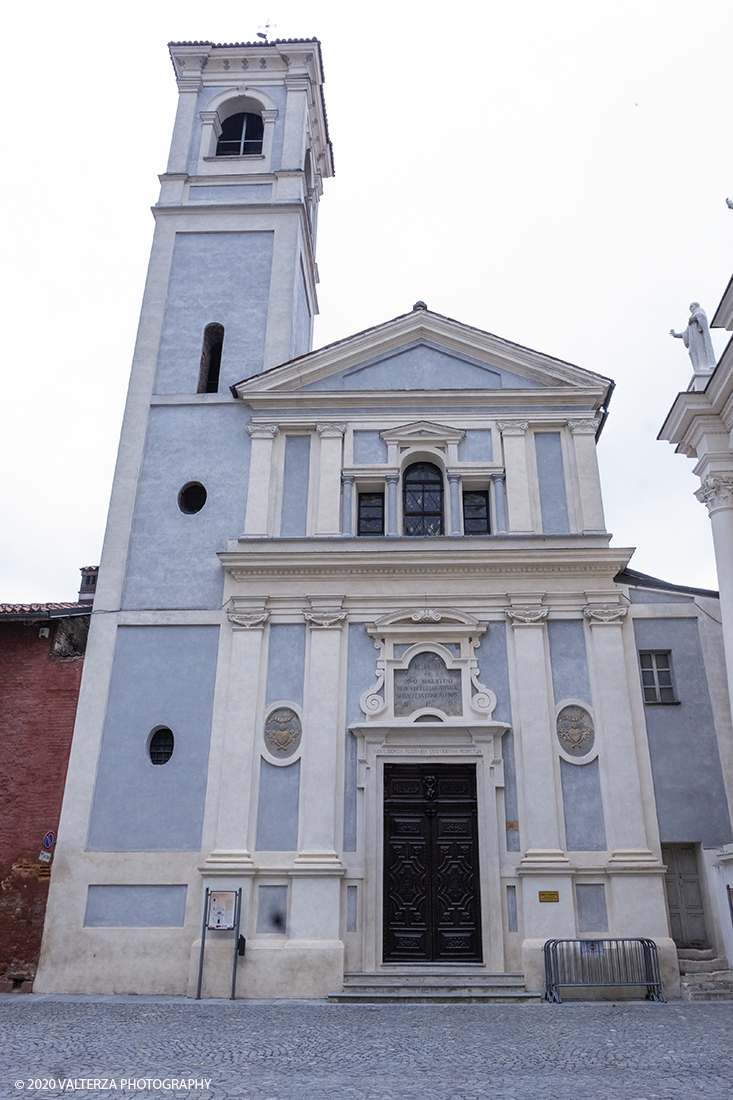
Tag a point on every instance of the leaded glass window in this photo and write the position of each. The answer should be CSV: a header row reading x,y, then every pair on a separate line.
x,y
371,514
476,512
423,499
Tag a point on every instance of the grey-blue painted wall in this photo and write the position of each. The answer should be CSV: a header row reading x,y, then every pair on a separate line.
x,y
285,663
592,911
585,830
369,448
135,907
551,477
172,561
296,475
494,673
215,277
688,779
302,341
569,660
161,676
277,807
422,366
476,446
231,192
360,673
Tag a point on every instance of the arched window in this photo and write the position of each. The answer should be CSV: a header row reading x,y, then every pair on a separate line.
x,y
422,494
240,134
211,359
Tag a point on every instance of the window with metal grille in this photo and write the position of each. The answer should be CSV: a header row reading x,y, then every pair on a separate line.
x,y
656,677
161,746
211,358
371,514
422,496
240,134
476,512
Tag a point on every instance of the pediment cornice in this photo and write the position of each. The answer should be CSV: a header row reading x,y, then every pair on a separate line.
x,y
484,348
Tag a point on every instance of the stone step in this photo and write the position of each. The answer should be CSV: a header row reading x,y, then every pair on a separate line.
x,y
445,995
695,953
703,966
429,985
714,986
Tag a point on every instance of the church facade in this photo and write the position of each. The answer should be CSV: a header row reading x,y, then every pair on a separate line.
x,y
361,646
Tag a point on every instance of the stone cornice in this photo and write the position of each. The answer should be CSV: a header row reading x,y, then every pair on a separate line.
x,y
401,557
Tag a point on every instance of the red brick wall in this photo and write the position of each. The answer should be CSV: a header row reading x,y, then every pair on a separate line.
x,y
38,696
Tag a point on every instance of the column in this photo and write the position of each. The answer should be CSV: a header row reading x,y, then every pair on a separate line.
x,y
235,792
513,434
321,737
347,506
328,513
716,493
260,469
623,809
536,741
592,519
392,483
455,503
500,514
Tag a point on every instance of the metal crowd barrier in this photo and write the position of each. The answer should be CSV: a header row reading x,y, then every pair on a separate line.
x,y
602,962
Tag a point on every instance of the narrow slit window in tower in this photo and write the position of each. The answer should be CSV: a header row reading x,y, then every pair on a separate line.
x,y
211,359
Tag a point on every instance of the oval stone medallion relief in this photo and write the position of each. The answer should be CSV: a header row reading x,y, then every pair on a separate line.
x,y
282,732
575,730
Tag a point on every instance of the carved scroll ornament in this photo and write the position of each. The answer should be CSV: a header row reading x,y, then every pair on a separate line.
x,y
716,492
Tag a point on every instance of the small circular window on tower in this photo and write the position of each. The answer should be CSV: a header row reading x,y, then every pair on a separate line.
x,y
192,498
161,746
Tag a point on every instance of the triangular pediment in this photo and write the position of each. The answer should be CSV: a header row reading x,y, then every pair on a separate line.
x,y
420,352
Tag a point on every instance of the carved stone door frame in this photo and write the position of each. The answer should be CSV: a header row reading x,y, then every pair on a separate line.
x,y
436,743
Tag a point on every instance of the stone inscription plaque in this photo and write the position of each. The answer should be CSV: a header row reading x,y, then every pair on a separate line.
x,y
427,683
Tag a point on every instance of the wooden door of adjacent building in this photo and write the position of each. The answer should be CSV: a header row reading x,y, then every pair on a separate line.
x,y
684,896
432,907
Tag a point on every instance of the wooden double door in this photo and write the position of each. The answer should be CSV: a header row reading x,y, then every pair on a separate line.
x,y
684,896
432,904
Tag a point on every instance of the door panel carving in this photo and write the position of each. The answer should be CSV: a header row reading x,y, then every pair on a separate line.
x,y
431,876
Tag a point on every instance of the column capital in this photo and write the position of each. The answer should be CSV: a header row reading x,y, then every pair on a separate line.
x,y
527,616
347,479
584,427
392,479
325,620
454,479
501,476
716,492
262,431
512,427
248,620
605,614
330,431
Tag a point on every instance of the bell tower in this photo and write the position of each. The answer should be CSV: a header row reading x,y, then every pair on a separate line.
x,y
237,214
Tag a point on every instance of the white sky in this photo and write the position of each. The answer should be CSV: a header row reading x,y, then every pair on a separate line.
x,y
554,172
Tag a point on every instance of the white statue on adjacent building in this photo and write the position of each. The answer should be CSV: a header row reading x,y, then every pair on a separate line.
x,y
697,340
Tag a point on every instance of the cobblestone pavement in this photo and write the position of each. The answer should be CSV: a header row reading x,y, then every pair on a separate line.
x,y
148,1047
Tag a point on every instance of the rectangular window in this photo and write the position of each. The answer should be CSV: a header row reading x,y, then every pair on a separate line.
x,y
656,677
476,512
371,514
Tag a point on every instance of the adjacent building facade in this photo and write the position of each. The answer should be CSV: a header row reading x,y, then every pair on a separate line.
x,y
365,651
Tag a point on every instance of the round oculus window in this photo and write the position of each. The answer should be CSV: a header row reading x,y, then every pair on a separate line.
x,y
192,498
161,746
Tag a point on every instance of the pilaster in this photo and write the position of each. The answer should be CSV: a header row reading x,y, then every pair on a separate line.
x,y
256,518
716,493
589,482
624,813
328,516
518,504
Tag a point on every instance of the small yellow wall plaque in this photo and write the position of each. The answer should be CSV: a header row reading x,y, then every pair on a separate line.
x,y
549,895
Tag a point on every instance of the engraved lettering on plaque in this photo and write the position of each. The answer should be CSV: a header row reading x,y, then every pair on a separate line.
x,y
427,683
